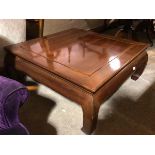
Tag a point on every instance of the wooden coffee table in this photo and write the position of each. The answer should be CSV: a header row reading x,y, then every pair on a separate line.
x,y
83,66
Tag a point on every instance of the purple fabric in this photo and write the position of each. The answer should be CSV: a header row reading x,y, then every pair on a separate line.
x,y
12,95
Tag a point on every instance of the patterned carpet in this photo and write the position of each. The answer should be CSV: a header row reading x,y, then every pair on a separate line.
x,y
131,110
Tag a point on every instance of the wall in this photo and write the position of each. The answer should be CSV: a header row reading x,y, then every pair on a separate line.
x,y
56,25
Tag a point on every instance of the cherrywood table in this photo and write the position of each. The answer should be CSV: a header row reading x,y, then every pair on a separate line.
x,y
83,66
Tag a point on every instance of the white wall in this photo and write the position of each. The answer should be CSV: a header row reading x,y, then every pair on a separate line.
x,y
56,25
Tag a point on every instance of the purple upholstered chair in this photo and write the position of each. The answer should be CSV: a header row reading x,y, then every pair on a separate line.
x,y
12,95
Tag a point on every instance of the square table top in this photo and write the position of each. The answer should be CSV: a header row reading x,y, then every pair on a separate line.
x,y
82,57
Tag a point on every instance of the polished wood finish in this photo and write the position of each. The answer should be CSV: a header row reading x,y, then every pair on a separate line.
x,y
82,65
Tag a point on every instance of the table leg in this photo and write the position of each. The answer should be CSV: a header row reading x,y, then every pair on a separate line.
x,y
90,117
9,68
139,70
